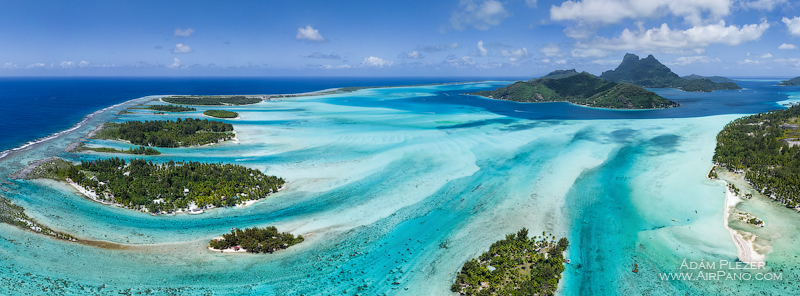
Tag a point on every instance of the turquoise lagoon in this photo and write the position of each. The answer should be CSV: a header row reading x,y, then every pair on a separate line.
x,y
395,188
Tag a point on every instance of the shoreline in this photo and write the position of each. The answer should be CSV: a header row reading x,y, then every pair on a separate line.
x,y
745,248
574,104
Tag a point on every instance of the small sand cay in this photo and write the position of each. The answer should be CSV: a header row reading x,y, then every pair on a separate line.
x,y
746,252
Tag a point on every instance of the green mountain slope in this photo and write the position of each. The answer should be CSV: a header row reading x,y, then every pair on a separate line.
x,y
791,82
712,78
649,72
558,74
583,89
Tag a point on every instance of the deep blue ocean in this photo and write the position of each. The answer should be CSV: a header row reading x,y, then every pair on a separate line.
x,y
33,108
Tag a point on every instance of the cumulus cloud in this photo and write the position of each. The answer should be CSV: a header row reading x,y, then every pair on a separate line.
x,y
410,55
183,33
787,46
765,56
531,3
793,24
481,50
376,62
84,64
790,61
66,64
35,65
181,48
550,50
589,53
683,61
614,11
768,5
664,39
454,61
749,62
309,34
515,55
606,62
437,48
175,63
480,14
319,55
329,67
10,66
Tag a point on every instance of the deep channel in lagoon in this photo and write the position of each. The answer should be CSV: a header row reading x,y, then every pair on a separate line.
x,y
395,188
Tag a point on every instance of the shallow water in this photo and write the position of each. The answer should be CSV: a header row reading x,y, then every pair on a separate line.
x,y
395,188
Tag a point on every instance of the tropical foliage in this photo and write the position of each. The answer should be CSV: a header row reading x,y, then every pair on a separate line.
x,y
256,240
212,100
765,148
584,89
651,73
712,78
558,74
160,133
791,82
221,114
169,186
171,108
141,150
516,265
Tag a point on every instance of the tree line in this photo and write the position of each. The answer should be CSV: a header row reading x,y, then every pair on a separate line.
x,y
211,100
171,108
516,265
169,134
221,114
256,240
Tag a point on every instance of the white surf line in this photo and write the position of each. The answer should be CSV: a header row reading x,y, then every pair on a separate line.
x,y
53,136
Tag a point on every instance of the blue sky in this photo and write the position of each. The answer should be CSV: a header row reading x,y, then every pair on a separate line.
x,y
395,38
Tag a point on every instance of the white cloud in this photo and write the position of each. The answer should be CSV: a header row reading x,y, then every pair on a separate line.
x,y
183,33
614,11
749,62
550,50
787,46
515,55
762,4
589,53
10,66
765,56
793,24
309,34
66,64
454,61
560,62
790,61
35,65
531,3
481,50
181,48
480,14
411,55
330,67
376,62
683,61
84,64
664,39
175,63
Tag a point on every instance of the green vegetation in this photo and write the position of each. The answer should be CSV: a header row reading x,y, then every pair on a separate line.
x,y
164,187
159,133
256,240
517,265
651,73
558,74
141,150
712,174
15,215
221,114
791,82
712,78
584,89
171,108
765,147
212,100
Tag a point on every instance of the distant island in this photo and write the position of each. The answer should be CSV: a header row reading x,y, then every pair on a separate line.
x,y
791,82
712,78
171,108
583,89
651,73
212,100
141,150
766,148
516,265
255,240
221,114
161,188
169,134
